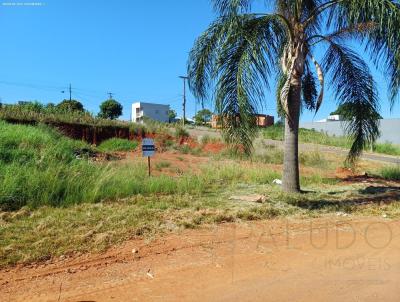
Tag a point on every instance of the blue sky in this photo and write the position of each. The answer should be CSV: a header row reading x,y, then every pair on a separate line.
x,y
135,49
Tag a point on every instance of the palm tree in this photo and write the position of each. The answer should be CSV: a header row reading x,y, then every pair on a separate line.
x,y
242,52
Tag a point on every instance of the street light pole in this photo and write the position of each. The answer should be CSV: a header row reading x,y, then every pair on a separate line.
x,y
70,92
184,78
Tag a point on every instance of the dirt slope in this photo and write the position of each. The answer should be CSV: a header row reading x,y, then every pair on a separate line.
x,y
279,260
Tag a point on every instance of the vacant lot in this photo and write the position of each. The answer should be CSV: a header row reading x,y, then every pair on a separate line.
x,y
62,197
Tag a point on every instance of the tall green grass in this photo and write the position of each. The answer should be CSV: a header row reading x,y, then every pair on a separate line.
x,y
118,144
390,173
39,166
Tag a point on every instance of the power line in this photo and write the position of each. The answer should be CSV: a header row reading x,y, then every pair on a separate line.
x,y
40,87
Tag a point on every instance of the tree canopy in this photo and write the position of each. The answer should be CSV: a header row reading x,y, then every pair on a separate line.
x,y
70,105
171,115
110,109
203,116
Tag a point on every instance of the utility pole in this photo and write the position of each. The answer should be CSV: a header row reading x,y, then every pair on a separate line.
x,y
184,78
110,95
70,92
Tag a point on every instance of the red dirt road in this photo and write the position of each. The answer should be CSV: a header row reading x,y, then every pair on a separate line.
x,y
278,260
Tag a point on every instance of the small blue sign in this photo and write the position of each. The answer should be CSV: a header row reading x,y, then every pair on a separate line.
x,y
148,147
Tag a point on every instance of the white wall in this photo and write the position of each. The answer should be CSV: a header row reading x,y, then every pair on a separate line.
x,y
157,112
389,128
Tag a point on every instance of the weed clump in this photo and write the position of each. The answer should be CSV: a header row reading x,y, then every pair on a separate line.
x,y
390,173
181,132
118,144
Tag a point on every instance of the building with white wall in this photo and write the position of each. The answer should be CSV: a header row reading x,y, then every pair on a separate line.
x,y
157,112
389,129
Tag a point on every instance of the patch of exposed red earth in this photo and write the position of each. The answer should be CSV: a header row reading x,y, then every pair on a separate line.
x,y
279,260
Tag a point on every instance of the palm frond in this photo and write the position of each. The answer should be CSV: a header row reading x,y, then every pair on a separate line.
x,y
231,7
203,56
246,62
309,89
383,41
354,86
308,7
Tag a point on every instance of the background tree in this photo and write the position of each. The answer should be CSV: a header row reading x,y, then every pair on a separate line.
x,y
203,116
171,115
110,109
241,52
70,105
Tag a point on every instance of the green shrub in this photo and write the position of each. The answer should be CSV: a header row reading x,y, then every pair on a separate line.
x,y
386,148
118,144
391,173
181,132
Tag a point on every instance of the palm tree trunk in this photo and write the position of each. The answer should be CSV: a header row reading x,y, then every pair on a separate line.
x,y
291,177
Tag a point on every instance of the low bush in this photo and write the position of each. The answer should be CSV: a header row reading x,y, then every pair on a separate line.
x,y
391,173
386,148
118,144
181,132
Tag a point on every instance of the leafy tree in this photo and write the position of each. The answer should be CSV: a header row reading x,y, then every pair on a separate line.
x,y
70,105
202,116
241,52
171,115
110,109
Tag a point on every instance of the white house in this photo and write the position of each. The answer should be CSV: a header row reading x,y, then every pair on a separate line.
x,y
157,112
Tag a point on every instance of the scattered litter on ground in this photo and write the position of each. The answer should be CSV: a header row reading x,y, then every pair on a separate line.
x,y
342,214
277,182
150,274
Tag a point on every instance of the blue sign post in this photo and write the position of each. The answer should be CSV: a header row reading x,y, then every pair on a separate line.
x,y
148,150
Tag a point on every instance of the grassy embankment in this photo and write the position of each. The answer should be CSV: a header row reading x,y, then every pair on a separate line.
x,y
54,203
315,137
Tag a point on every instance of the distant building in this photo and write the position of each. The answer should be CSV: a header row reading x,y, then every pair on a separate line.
x,y
157,112
331,118
263,121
